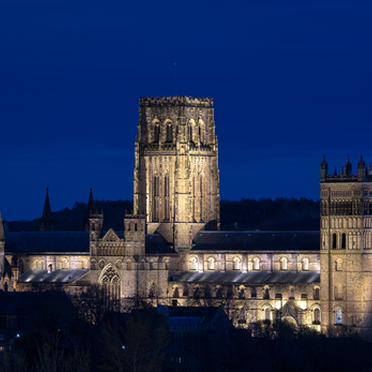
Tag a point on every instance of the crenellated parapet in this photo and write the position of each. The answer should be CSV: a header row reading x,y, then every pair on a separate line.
x,y
176,101
363,174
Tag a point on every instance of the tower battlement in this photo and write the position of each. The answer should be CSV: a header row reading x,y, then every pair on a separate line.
x,y
176,101
363,175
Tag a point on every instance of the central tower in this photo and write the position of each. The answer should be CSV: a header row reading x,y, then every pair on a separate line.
x,y
176,177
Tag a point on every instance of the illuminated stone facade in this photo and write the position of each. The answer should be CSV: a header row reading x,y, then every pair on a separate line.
x,y
170,249
346,247
176,178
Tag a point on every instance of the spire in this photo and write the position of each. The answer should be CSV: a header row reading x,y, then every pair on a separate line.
x,y
335,171
347,166
46,222
90,210
323,169
361,162
361,169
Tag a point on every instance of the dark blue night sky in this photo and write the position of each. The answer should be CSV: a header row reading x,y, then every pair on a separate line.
x,y
291,80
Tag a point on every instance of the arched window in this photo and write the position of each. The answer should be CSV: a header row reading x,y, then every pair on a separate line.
x,y
338,316
283,264
291,293
155,199
266,294
64,264
156,133
236,264
193,264
305,264
316,316
190,133
211,264
267,313
169,133
111,284
176,293
166,197
334,241
256,264
343,241
316,293
85,264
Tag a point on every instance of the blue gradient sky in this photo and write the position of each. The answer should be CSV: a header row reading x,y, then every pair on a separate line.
x,y
290,80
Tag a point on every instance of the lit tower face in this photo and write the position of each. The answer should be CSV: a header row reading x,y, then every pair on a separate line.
x,y
176,178
346,249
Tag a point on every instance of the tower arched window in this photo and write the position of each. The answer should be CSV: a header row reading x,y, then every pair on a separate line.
x,y
169,132
156,132
190,133
334,241
166,198
256,264
343,241
155,200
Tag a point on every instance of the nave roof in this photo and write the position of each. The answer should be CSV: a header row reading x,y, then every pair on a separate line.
x,y
251,277
257,241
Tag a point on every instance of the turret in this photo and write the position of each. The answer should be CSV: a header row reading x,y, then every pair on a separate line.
x,y
90,210
323,169
361,169
347,167
134,234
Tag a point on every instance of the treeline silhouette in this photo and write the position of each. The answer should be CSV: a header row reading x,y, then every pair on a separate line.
x,y
246,214
62,340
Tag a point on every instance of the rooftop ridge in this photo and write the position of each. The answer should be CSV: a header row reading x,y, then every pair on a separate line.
x,y
257,232
176,101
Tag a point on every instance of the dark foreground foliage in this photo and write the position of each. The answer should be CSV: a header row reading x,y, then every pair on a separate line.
x,y
142,342
246,214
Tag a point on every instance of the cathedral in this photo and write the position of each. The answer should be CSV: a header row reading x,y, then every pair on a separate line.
x,y
171,250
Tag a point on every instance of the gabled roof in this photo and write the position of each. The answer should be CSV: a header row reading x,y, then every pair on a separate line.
x,y
56,276
47,241
257,241
254,277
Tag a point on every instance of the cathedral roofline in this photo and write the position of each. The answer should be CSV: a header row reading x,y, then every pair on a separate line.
x,y
176,101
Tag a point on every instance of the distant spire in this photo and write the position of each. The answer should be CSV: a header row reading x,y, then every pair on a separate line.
x,y
335,171
46,222
90,210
